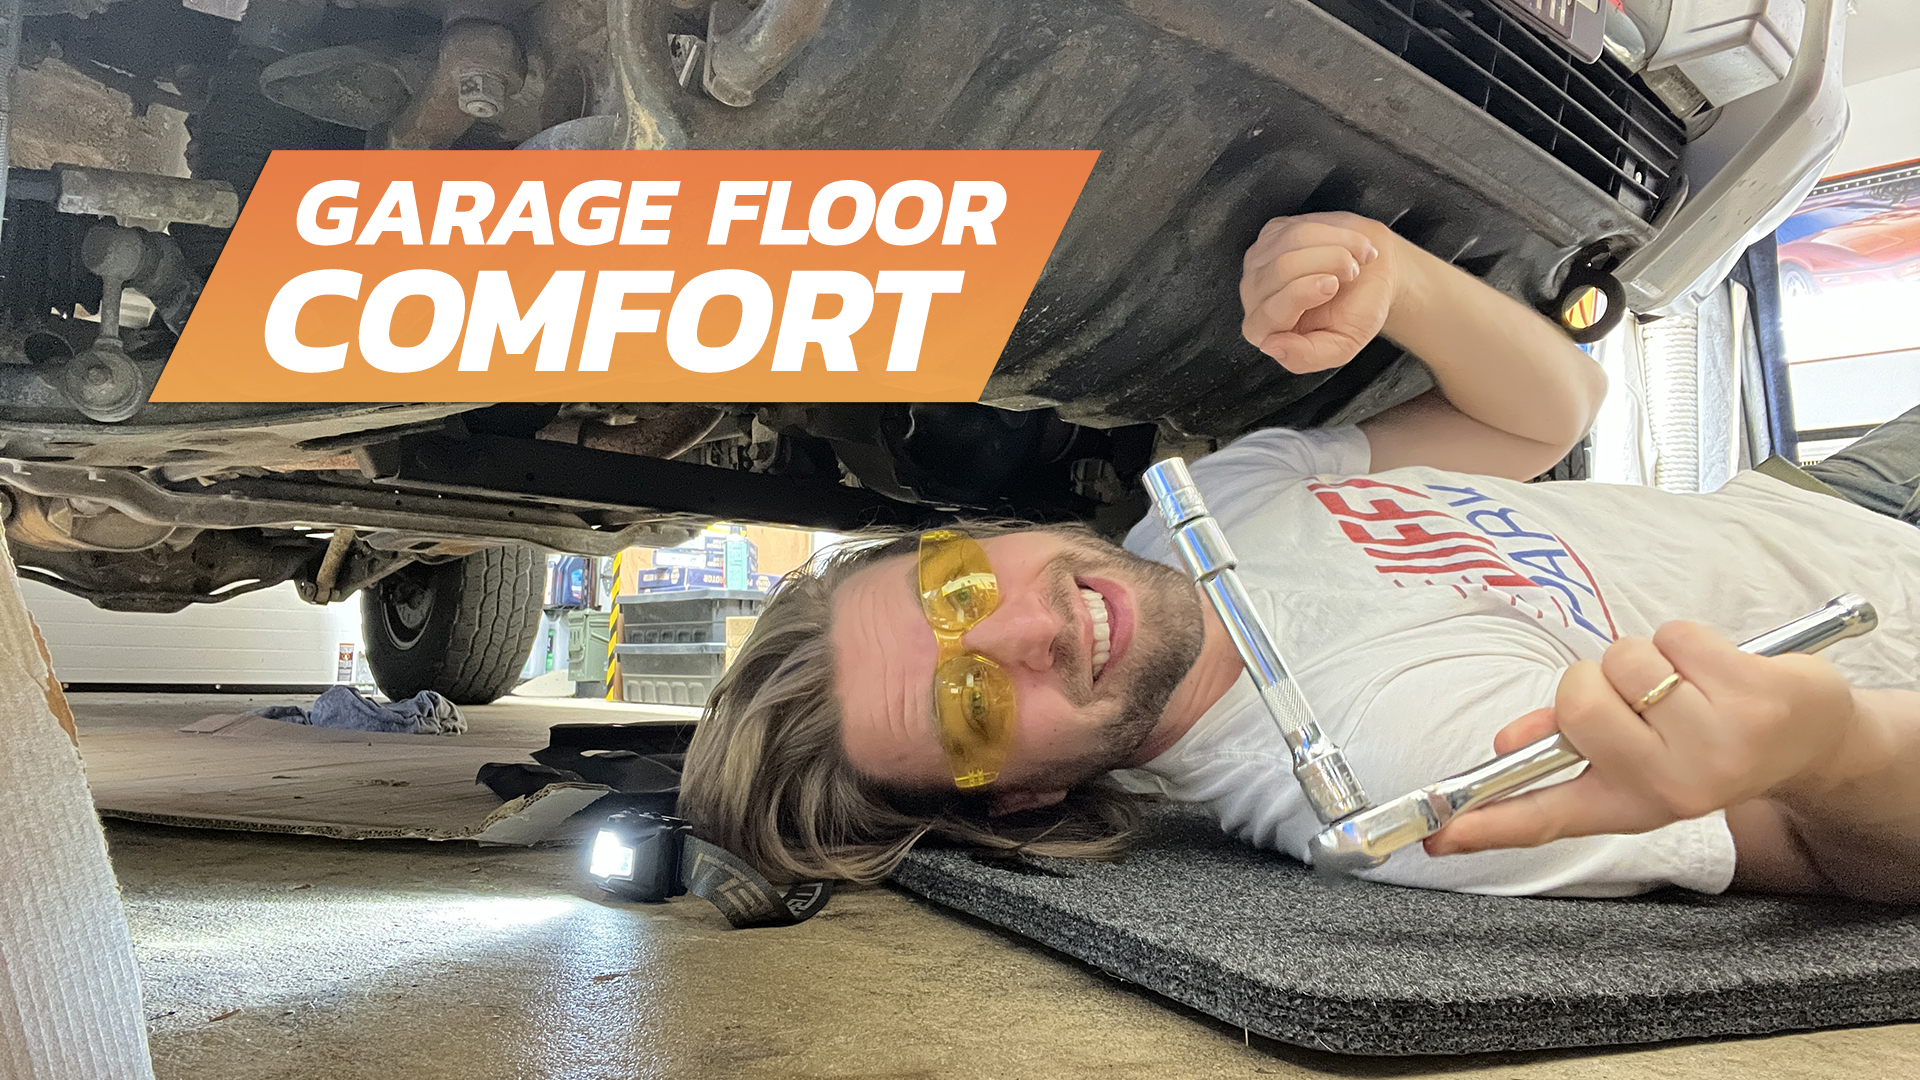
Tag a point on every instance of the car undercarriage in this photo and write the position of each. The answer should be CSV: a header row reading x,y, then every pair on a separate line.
x,y
1467,131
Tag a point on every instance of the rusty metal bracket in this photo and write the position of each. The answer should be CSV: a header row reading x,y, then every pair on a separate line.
x,y
747,49
287,505
145,197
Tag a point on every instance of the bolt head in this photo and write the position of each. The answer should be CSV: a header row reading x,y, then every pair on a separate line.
x,y
103,383
482,94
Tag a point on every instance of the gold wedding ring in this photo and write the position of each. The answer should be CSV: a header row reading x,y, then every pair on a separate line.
x,y
1658,694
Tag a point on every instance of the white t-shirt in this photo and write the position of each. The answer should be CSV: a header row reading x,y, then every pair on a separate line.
x,y
1423,610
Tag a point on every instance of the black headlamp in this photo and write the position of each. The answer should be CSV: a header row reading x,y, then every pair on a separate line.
x,y
652,857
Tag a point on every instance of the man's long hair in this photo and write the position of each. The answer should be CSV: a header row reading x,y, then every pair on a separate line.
x,y
767,778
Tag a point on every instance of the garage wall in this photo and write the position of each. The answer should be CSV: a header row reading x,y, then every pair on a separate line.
x,y
1883,127
263,638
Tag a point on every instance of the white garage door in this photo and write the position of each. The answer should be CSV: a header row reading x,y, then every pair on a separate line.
x,y
265,638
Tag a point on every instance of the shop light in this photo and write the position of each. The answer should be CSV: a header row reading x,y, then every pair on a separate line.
x,y
636,856
611,859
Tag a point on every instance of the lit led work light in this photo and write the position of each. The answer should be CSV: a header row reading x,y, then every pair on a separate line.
x,y
652,857
637,856
611,857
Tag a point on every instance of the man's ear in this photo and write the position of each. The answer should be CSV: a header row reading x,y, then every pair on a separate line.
x,y
1013,802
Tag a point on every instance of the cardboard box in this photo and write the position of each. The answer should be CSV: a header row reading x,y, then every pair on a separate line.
x,y
739,628
674,577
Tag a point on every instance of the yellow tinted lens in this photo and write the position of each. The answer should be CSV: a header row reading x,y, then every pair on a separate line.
x,y
957,587
973,705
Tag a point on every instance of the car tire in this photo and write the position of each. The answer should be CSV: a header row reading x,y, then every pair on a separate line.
x,y
461,628
1797,282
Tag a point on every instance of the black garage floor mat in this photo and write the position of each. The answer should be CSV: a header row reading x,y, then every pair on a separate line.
x,y
1256,940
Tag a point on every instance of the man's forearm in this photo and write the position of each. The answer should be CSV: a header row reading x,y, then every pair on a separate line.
x,y
1495,360
1858,816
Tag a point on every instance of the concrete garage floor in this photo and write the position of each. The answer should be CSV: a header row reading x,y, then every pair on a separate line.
x,y
300,958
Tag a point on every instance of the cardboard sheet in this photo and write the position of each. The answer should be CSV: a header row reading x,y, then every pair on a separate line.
x,y
230,771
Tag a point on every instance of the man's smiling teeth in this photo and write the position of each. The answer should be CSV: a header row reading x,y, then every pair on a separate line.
x,y
1102,633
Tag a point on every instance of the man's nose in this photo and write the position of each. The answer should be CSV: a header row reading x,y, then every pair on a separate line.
x,y
1020,633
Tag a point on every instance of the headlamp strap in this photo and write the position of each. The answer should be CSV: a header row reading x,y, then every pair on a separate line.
x,y
724,880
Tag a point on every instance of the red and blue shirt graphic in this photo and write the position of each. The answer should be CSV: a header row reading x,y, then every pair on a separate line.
x,y
1458,537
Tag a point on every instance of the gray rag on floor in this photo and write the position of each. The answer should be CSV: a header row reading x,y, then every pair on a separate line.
x,y
1258,941
425,713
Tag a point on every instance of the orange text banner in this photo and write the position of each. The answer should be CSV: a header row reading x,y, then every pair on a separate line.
x,y
625,276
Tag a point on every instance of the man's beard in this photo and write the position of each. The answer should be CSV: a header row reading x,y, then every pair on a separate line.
x,y
1168,632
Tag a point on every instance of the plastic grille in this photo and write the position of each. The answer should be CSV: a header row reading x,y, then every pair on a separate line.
x,y
1597,119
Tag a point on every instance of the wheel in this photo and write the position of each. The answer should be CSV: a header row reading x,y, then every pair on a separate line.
x,y
1797,282
462,628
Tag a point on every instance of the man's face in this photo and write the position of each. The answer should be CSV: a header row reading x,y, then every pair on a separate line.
x,y
1076,718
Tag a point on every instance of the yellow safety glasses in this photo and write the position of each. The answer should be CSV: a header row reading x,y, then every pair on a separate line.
x,y
972,695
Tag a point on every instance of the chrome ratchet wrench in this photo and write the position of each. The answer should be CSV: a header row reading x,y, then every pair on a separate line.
x,y
1318,764
1365,839
1359,835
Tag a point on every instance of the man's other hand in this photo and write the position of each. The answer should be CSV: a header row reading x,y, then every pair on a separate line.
x,y
1316,288
1736,728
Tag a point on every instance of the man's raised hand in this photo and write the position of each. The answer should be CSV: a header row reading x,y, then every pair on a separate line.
x,y
1737,727
1316,288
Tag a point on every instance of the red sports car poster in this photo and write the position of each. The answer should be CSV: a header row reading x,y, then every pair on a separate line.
x,y
1850,283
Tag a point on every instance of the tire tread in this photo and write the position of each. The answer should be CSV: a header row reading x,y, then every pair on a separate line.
x,y
487,613
499,614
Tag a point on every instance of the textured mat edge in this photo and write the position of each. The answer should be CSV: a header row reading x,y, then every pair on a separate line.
x,y
1403,1028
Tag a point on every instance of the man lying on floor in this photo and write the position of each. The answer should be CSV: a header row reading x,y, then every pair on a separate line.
x,y
982,685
